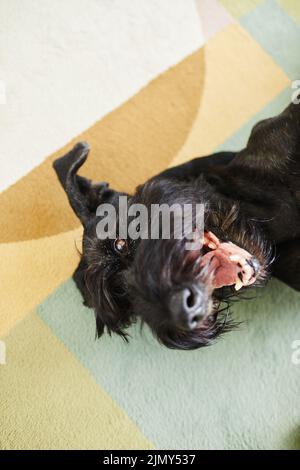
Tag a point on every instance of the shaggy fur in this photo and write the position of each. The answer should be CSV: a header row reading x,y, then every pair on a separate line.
x,y
251,198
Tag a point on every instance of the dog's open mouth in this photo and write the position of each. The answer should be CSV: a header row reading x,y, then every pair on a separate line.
x,y
227,264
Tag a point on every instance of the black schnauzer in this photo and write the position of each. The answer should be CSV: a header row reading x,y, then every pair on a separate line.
x,y
251,204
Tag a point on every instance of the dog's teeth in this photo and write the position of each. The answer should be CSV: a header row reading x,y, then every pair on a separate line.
x,y
249,273
234,258
238,285
246,274
212,246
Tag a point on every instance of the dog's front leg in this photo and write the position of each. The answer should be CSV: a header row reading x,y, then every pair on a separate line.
x,y
273,146
194,168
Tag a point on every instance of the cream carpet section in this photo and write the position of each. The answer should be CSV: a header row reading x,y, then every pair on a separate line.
x,y
66,64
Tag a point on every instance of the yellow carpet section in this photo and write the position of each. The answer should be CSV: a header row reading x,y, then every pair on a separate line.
x,y
31,270
226,77
45,385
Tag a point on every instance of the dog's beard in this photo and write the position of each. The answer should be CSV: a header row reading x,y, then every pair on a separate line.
x,y
164,265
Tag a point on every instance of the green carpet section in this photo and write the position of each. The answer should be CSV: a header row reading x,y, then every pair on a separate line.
x,y
277,33
241,393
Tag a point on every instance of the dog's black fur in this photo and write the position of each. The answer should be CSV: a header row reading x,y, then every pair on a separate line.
x,y
252,199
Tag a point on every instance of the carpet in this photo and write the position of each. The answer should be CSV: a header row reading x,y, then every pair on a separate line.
x,y
148,85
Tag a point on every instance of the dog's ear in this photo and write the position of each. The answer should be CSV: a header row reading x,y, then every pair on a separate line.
x,y
83,195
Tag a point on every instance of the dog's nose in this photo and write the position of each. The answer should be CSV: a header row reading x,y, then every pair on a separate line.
x,y
188,307
254,264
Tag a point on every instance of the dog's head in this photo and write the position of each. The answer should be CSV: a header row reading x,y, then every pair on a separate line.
x,y
181,293
183,290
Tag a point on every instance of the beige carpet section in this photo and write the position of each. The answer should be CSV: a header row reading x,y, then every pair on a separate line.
x,y
42,380
67,64
133,142
31,270
247,80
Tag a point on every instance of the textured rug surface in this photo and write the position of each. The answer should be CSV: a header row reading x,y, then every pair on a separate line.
x,y
148,85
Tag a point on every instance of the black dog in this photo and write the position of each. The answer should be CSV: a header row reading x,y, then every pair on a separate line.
x,y
251,230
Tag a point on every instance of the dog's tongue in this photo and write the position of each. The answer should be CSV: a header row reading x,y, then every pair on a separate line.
x,y
228,263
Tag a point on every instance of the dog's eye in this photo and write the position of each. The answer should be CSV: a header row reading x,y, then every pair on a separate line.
x,y
121,246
